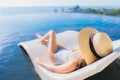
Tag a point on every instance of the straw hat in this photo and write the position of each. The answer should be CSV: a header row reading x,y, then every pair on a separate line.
x,y
94,44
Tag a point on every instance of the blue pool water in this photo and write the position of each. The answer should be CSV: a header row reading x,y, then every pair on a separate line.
x,y
17,28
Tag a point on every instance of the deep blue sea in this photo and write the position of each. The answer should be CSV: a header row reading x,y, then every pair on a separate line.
x,y
22,27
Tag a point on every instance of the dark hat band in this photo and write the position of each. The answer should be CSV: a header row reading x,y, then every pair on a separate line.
x,y
92,47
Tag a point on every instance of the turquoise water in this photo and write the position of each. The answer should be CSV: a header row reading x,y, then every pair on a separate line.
x,y
17,28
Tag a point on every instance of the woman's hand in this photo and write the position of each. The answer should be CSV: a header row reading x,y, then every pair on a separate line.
x,y
39,61
74,50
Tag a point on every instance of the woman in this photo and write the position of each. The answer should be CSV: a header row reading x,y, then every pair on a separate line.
x,y
93,46
64,60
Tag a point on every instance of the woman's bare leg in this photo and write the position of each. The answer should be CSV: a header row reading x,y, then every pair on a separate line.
x,y
44,39
52,44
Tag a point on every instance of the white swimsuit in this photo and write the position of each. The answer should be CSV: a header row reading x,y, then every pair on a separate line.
x,y
62,55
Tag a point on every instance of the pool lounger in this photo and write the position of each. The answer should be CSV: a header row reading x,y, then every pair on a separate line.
x,y
67,39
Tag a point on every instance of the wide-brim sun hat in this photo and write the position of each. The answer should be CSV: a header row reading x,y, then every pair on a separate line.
x,y
94,44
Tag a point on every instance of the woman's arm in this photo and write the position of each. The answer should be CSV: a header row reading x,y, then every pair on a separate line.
x,y
64,68
59,46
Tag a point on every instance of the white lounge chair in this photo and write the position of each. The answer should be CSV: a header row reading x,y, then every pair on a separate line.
x,y
67,39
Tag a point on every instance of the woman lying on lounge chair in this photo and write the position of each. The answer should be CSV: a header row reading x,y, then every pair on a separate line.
x,y
93,46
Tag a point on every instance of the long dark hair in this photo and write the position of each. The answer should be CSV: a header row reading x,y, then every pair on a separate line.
x,y
81,63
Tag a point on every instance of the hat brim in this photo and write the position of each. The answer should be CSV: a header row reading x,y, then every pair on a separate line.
x,y
83,40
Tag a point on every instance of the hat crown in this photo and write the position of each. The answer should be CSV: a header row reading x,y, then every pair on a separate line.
x,y
102,44
94,44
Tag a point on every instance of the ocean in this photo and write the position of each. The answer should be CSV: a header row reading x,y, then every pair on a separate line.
x,y
22,27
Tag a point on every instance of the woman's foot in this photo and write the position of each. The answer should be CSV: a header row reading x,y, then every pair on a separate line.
x,y
41,40
38,35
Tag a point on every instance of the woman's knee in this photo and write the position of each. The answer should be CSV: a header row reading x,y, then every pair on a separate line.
x,y
52,32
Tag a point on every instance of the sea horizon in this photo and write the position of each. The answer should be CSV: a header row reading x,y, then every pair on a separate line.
x,y
46,9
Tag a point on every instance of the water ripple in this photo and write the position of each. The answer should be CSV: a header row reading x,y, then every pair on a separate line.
x,y
17,28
